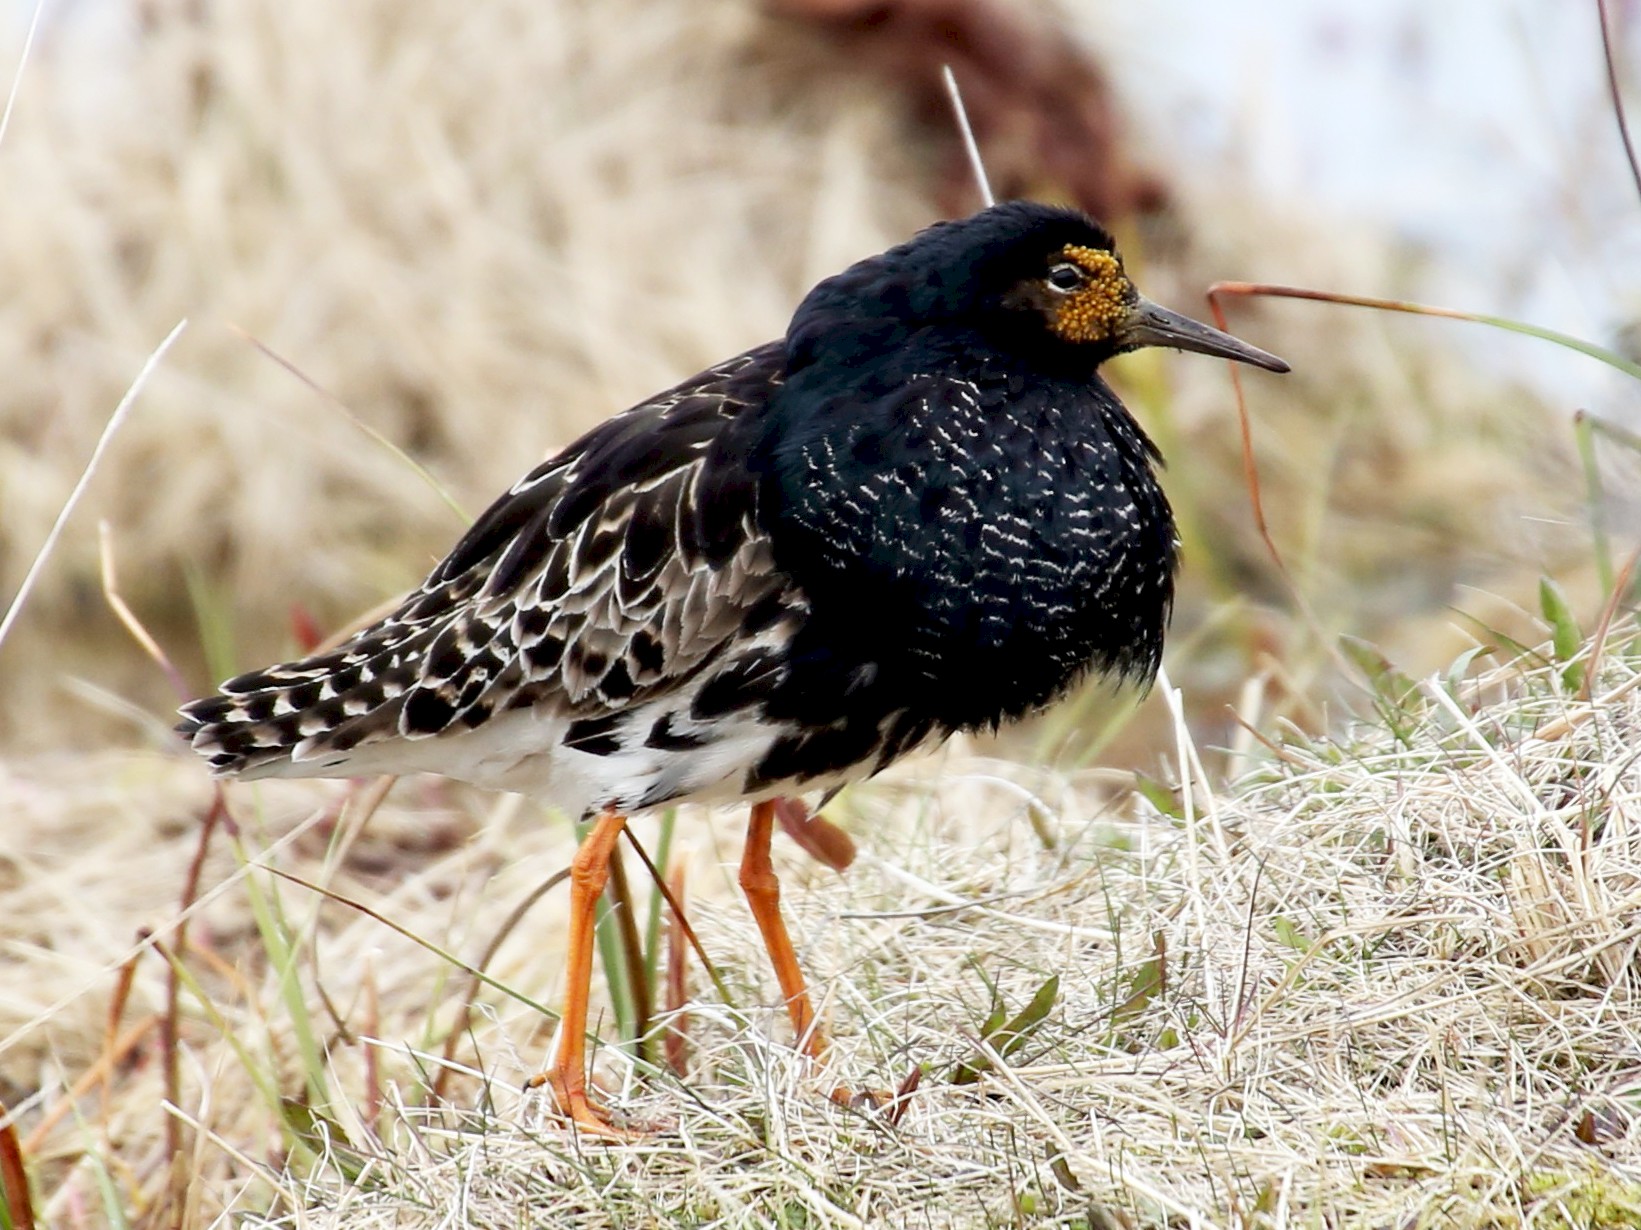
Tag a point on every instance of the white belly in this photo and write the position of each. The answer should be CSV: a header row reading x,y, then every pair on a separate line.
x,y
524,751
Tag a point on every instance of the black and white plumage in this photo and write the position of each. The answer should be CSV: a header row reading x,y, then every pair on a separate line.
x,y
922,511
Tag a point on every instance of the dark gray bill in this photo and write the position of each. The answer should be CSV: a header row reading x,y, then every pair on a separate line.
x,y
1151,324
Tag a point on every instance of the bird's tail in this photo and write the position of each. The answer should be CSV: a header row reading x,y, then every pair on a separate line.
x,y
303,718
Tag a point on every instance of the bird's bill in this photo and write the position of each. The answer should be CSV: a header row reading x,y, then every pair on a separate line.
x,y
1151,324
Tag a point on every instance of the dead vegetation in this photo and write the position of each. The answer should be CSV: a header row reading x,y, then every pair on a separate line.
x,y
1387,979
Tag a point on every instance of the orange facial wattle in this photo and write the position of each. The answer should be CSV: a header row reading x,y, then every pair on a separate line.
x,y
1096,311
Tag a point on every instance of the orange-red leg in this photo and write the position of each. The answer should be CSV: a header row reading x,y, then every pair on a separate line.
x,y
763,894
567,1078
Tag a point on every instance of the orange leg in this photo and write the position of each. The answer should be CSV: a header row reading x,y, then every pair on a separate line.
x,y
567,1078
763,894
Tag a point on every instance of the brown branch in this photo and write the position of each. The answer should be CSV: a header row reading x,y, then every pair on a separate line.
x,y
14,1177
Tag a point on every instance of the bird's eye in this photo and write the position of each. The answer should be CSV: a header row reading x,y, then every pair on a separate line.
x,y
1066,277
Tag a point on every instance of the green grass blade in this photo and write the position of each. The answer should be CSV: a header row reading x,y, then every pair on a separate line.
x,y
652,925
1565,636
1595,493
213,613
1565,340
283,956
611,957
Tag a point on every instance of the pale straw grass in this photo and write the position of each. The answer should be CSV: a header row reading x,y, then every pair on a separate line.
x,y
1400,988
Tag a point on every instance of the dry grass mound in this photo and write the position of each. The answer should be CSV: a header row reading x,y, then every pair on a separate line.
x,y
1386,980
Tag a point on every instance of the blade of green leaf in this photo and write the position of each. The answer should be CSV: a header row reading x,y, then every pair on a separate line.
x,y
324,1135
1564,340
1144,985
1161,797
1013,1035
1388,683
1565,636
1007,1037
1289,934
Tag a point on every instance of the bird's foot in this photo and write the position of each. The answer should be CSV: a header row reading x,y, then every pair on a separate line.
x,y
820,838
891,1106
585,1114
859,1099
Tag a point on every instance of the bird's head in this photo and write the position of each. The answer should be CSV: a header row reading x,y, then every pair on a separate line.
x,y
1028,277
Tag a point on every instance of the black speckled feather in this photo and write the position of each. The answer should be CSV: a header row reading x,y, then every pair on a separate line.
x,y
922,511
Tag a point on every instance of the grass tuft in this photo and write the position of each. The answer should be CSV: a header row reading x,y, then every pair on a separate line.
x,y
1389,975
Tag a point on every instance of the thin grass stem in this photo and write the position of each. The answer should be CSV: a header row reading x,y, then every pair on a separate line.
x,y
115,422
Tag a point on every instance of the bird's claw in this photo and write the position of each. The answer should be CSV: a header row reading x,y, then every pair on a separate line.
x,y
891,1106
585,1114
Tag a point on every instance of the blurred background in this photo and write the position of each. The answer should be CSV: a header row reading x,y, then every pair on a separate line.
x,y
478,229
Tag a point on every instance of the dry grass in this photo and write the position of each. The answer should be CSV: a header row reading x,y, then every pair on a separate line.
x,y
1385,981
1400,968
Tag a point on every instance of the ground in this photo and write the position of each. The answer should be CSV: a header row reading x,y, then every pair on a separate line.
x,y
1386,979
